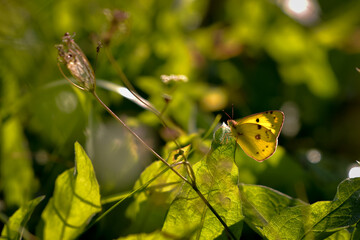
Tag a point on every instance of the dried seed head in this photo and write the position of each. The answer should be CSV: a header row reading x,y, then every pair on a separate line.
x,y
76,62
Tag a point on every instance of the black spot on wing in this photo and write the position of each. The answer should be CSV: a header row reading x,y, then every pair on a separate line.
x,y
259,126
257,120
257,137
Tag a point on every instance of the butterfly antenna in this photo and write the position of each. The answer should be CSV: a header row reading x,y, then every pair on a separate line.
x,y
227,114
232,111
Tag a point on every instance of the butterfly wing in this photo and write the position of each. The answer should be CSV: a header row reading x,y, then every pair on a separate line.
x,y
272,120
257,134
257,141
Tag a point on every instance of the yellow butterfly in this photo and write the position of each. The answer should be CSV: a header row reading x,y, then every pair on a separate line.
x,y
258,134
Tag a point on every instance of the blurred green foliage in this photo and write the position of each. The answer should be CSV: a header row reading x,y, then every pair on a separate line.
x,y
250,53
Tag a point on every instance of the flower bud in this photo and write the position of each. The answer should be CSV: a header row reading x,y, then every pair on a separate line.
x,y
76,62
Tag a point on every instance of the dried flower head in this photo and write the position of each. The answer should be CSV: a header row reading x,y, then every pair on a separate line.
x,y
76,62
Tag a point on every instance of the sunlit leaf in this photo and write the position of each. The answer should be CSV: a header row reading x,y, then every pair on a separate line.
x,y
76,199
150,206
340,235
272,172
216,177
261,203
321,219
157,235
15,227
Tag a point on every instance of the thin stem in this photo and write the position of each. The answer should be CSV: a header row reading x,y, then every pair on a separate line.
x,y
127,83
138,138
192,183
125,197
227,229
22,231
189,169
89,85
190,172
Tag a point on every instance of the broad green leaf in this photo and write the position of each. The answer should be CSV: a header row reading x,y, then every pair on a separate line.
x,y
216,178
16,174
150,206
260,204
340,235
157,235
76,199
15,227
321,219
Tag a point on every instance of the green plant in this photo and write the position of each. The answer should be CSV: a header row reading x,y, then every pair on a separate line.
x,y
199,186
199,198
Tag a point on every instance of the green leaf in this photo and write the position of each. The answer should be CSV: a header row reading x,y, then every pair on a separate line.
x,y
216,178
150,206
157,235
15,227
340,235
76,199
261,203
16,174
321,219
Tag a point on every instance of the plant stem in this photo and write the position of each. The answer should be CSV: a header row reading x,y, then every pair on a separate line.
x,y
192,183
138,138
86,82
229,234
125,197
130,87
127,83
